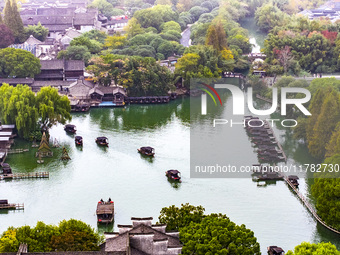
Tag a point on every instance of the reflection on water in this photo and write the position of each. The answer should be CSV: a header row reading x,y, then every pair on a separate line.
x,y
138,185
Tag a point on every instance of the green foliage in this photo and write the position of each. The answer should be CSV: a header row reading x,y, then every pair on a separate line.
x,y
314,249
140,76
71,235
216,36
13,21
38,31
208,234
325,124
75,53
93,46
216,234
176,218
19,105
97,35
18,63
269,16
52,108
155,16
201,62
8,242
106,8
116,41
133,28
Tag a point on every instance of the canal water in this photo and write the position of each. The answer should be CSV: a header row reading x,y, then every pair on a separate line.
x,y
138,185
256,37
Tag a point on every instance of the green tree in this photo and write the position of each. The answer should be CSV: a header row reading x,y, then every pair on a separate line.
x,y
314,249
18,106
166,48
176,218
97,35
326,122
71,235
52,108
75,53
18,63
38,31
8,242
93,46
116,41
133,28
268,16
13,21
155,16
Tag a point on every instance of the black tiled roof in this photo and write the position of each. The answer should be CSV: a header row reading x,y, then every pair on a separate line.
x,y
74,65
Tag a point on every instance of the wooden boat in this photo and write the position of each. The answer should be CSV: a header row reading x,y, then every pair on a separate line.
x,y
274,250
6,169
78,140
293,179
147,151
69,128
105,211
173,175
103,141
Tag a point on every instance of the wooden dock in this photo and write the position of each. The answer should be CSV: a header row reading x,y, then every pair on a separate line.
x,y
309,206
25,175
14,151
12,207
277,142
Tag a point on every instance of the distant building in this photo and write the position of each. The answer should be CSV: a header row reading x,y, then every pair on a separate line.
x,y
142,238
116,24
58,69
58,19
329,10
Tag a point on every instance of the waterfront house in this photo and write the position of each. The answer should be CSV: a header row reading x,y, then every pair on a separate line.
x,y
80,89
59,69
142,237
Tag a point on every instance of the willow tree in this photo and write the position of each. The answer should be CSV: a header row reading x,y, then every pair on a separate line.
x,y
52,108
18,106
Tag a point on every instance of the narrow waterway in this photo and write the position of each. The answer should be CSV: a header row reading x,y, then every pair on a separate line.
x,y
138,185
256,37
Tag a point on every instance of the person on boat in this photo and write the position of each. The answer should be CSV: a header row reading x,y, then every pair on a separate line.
x,y
102,201
109,199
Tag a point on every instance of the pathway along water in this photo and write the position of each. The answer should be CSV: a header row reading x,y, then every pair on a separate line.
x,y
138,185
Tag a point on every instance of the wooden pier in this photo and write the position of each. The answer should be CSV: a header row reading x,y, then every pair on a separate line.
x,y
25,175
12,206
309,206
14,151
277,141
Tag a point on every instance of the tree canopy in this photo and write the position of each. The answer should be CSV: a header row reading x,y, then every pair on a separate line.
x,y
20,106
208,234
314,249
18,63
71,235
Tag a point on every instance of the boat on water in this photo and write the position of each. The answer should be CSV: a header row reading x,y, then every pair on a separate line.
x,y
147,151
173,175
69,128
103,141
78,140
6,169
105,211
293,179
274,250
